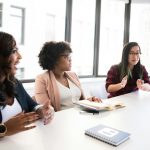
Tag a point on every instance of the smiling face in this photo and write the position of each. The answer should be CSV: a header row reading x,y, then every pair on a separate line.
x,y
14,60
9,58
134,56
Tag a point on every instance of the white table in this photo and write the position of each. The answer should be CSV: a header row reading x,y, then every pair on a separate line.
x,y
66,131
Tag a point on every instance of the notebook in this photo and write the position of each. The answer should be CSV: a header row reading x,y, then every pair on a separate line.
x,y
105,105
108,134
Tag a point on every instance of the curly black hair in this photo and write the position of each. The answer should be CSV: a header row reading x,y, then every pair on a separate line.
x,y
50,53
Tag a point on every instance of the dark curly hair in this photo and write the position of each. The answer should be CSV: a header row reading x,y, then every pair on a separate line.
x,y
7,43
50,53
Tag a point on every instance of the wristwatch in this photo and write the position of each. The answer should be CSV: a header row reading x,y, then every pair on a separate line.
x,y
3,130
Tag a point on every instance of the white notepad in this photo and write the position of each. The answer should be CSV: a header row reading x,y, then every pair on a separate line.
x,y
108,134
105,105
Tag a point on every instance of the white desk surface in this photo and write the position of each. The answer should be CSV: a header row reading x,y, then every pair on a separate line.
x,y
66,131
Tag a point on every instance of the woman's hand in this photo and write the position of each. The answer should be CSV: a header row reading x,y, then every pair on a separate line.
x,y
46,112
143,86
139,83
94,99
124,81
21,122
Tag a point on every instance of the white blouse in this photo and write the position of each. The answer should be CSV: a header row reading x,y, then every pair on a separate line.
x,y
11,111
68,95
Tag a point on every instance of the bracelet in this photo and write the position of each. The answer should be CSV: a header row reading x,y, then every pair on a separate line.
x,y
3,130
37,107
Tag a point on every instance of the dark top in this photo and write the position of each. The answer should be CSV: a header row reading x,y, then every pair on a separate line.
x,y
26,102
113,77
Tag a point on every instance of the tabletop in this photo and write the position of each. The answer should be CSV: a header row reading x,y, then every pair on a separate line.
x,y
66,131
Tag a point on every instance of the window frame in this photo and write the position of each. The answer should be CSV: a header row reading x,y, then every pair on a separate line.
x,y
1,15
22,33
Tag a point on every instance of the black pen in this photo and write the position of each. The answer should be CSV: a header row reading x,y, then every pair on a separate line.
x,y
86,112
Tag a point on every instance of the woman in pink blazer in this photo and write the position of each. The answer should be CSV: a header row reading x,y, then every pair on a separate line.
x,y
58,84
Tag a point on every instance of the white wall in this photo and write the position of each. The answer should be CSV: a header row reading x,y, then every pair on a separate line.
x,y
94,87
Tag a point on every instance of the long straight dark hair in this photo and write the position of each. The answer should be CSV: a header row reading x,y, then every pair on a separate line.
x,y
123,66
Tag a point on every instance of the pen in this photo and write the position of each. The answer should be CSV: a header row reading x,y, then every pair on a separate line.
x,y
86,112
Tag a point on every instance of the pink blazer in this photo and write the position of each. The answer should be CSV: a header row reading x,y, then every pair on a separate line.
x,y
46,88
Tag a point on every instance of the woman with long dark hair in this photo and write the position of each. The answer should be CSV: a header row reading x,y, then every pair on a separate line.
x,y
129,75
17,109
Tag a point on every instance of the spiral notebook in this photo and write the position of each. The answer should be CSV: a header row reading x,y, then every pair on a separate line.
x,y
108,134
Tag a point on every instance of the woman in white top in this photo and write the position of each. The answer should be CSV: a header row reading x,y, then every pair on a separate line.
x,y
58,84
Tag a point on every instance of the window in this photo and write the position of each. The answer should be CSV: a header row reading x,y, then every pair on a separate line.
x,y
20,73
55,20
111,34
1,14
82,36
32,27
140,29
17,21
93,45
